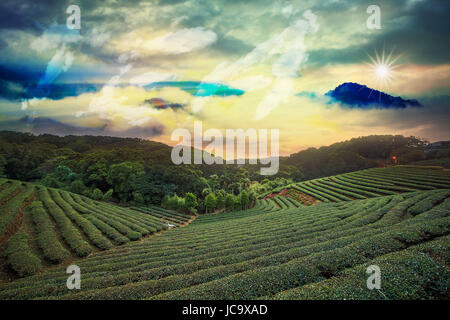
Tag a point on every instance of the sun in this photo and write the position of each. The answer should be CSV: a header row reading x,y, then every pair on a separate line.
x,y
382,71
383,68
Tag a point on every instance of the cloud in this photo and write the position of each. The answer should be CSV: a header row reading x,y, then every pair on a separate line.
x,y
54,36
19,90
249,62
60,62
159,103
227,44
152,76
97,38
21,74
199,89
414,28
286,51
181,41
11,90
29,14
45,125
60,91
252,82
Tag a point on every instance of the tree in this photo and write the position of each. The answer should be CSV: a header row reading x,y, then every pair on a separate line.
x,y
108,195
65,174
214,182
138,198
190,202
153,186
78,187
252,197
121,177
165,202
220,200
206,191
229,202
244,200
237,203
97,173
97,194
174,203
2,166
210,202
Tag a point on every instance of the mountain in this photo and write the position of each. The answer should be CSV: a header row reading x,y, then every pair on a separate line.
x,y
355,95
356,154
46,125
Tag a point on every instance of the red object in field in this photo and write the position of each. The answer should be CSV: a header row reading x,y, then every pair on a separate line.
x,y
394,157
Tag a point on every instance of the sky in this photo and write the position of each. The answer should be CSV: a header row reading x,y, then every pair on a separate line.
x,y
144,69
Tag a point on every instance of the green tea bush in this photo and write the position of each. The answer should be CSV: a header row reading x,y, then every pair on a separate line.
x,y
46,237
20,257
94,235
68,231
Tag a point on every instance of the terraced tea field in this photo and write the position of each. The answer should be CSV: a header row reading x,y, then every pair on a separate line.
x,y
42,226
370,183
279,249
173,218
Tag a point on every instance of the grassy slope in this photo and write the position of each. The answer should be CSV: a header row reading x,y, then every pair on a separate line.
x,y
280,250
41,227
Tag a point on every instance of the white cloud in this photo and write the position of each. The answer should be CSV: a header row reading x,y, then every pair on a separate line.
x,y
285,50
181,41
60,62
152,76
282,90
251,83
54,36
97,38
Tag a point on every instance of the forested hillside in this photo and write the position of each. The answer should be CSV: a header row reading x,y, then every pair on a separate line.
x,y
140,172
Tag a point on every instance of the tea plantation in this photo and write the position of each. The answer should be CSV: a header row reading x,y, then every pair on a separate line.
x,y
396,218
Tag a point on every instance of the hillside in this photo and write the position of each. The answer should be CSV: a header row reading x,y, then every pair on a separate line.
x,y
281,249
140,172
41,227
367,183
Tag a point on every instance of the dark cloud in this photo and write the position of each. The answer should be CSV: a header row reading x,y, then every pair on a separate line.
x,y
231,45
425,38
170,2
41,125
22,74
36,15
3,44
10,90
417,30
30,14
161,104
22,82
60,91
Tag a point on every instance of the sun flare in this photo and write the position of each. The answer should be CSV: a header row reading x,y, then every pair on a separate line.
x,y
382,71
383,68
